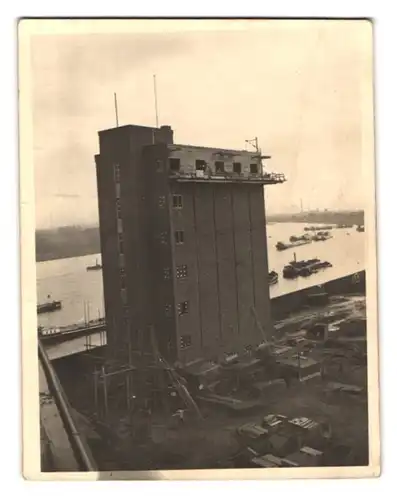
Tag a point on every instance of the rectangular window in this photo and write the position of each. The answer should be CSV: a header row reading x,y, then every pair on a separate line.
x,y
161,201
237,168
122,272
254,168
119,226
122,281
122,260
121,247
219,167
179,237
168,310
118,208
117,189
117,172
177,201
200,165
167,273
164,238
183,307
185,341
181,271
175,164
123,294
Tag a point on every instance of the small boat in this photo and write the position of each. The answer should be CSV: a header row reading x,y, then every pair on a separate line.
x,y
51,306
273,278
360,229
284,246
95,267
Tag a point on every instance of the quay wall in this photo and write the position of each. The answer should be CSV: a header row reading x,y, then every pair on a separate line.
x,y
291,302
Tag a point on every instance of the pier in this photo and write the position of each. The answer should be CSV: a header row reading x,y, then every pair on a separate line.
x,y
58,335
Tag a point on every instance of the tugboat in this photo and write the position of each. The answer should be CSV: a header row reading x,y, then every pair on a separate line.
x,y
49,306
304,267
95,267
273,278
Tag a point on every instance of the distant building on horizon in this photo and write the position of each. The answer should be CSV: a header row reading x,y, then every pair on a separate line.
x,y
183,243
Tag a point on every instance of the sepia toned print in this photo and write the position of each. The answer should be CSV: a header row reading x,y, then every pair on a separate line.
x,y
198,249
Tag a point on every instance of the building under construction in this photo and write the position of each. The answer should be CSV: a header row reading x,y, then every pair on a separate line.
x,y
183,242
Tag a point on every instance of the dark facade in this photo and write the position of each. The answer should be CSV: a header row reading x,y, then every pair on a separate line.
x,y
183,240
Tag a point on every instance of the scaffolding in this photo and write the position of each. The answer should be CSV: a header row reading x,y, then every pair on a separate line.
x,y
133,381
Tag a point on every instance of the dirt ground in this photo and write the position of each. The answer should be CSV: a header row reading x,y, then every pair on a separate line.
x,y
210,442
204,445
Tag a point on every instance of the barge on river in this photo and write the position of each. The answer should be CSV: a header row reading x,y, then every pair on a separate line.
x,y
304,268
284,246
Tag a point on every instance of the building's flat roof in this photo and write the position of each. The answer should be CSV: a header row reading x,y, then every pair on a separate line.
x,y
213,148
132,125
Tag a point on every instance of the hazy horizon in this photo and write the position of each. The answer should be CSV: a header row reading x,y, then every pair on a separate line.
x,y
296,85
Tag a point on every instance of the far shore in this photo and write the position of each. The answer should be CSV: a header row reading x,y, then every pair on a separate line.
x,y
77,241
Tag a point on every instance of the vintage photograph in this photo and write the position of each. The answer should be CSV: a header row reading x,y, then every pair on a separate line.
x,y
198,247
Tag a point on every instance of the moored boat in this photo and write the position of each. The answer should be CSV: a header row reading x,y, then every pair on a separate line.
x,y
304,268
318,228
273,278
304,237
322,236
284,246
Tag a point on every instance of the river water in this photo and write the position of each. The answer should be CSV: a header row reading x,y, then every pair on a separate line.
x,y
81,291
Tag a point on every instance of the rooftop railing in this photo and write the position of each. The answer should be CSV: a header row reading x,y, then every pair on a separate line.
x,y
206,176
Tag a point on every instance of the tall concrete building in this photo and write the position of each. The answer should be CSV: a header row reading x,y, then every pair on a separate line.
x,y
183,241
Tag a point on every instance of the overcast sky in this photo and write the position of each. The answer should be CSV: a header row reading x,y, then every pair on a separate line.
x,y
296,85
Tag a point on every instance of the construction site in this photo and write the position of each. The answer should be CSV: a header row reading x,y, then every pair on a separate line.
x,y
314,370
200,368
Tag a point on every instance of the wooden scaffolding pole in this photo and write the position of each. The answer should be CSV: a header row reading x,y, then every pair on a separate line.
x,y
105,391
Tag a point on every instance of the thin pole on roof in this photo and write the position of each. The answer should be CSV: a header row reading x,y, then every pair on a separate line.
x,y
116,110
155,101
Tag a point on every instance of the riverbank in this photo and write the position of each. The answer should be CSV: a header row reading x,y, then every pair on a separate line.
x,y
66,242
78,241
351,218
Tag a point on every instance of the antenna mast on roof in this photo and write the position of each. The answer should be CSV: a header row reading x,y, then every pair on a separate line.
x,y
155,101
254,143
115,108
